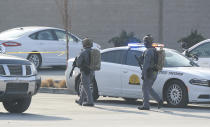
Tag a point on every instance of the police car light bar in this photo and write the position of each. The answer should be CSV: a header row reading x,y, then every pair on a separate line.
x,y
157,45
138,45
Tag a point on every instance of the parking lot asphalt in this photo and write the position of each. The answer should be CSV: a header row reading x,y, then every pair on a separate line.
x,y
60,110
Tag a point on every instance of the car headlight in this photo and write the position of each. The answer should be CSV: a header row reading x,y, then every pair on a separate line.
x,y
33,70
201,82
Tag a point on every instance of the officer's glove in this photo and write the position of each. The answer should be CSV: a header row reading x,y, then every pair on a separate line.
x,y
142,77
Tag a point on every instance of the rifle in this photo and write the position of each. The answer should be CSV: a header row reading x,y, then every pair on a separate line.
x,y
73,66
138,62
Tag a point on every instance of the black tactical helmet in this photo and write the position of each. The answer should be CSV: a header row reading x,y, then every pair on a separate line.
x,y
87,43
148,39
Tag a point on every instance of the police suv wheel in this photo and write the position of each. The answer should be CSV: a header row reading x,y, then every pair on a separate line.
x,y
176,94
18,105
93,87
35,59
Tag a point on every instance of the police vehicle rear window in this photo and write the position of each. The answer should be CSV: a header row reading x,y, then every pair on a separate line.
x,y
113,56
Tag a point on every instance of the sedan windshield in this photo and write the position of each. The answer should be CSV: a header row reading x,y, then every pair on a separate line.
x,y
175,59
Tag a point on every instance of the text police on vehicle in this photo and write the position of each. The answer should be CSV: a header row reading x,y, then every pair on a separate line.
x,y
180,82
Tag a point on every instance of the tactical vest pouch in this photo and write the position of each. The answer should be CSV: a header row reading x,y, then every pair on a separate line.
x,y
95,60
159,59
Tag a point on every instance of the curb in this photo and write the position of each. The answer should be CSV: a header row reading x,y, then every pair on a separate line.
x,y
55,90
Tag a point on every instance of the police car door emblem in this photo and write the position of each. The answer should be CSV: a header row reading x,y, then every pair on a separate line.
x,y
134,80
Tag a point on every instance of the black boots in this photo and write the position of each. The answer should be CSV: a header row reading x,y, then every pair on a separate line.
x,y
78,102
87,104
83,104
143,108
160,104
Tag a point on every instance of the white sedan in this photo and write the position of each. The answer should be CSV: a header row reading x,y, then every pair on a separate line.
x,y
44,46
180,82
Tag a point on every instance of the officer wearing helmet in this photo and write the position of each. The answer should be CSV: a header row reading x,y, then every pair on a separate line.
x,y
149,75
86,98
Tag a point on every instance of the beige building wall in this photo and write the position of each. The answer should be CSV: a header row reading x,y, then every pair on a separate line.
x,y
182,16
104,19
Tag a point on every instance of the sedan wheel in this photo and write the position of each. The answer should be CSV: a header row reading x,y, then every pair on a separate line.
x,y
176,94
36,59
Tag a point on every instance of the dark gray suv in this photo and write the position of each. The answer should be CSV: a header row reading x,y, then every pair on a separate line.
x,y
19,81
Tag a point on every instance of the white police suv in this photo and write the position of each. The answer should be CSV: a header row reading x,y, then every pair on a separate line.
x,y
180,82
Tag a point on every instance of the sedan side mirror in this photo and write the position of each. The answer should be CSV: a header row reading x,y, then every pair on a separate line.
x,y
195,57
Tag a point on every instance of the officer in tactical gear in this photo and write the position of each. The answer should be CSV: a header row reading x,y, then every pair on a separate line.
x,y
149,74
83,62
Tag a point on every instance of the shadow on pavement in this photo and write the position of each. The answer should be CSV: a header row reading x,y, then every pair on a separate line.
x,y
189,111
181,113
30,117
118,103
121,111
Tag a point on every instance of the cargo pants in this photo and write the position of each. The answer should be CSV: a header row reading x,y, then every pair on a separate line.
x,y
86,93
148,90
